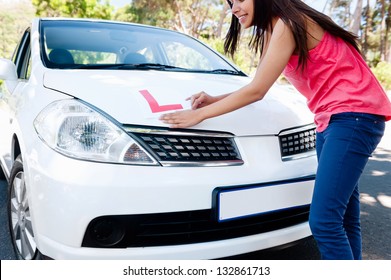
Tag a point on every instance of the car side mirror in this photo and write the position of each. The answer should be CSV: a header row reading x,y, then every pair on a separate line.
x,y
7,70
8,74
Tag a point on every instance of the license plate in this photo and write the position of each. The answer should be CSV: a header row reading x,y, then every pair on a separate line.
x,y
235,203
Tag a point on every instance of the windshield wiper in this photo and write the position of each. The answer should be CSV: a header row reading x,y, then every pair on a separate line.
x,y
141,66
224,71
152,66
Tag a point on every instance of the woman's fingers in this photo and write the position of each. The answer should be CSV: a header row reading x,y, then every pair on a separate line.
x,y
172,119
168,118
198,100
194,101
180,119
187,118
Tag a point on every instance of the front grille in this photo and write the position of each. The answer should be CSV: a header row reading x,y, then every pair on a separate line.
x,y
300,141
182,228
191,148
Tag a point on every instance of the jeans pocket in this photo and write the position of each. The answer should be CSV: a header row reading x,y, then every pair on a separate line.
x,y
373,130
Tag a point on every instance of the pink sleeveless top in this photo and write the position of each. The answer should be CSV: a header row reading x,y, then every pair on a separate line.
x,y
336,80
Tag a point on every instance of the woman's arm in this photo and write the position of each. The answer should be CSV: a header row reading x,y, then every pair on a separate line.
x,y
279,50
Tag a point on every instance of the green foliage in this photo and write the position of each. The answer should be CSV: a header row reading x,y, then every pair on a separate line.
x,y
383,73
244,58
14,18
193,17
73,8
89,57
155,13
340,12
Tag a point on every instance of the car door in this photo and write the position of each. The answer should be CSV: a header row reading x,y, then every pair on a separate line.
x,y
10,101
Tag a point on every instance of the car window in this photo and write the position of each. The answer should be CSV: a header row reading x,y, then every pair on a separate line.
x,y
22,56
29,64
90,44
19,48
180,55
93,57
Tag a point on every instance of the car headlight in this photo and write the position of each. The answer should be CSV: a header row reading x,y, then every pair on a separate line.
x,y
73,129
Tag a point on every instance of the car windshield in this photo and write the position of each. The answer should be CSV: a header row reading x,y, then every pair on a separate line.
x,y
73,44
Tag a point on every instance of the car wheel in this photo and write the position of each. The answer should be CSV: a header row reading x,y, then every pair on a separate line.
x,y
22,234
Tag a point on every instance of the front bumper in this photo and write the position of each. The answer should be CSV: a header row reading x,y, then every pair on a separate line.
x,y
67,194
209,250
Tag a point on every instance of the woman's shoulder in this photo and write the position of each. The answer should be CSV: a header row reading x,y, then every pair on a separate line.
x,y
315,32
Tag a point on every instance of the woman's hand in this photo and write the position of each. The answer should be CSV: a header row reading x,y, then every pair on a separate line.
x,y
192,117
182,119
201,99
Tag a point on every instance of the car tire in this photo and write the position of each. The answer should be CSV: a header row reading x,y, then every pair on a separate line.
x,y
19,219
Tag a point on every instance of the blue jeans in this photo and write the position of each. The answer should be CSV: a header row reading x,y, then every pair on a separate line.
x,y
343,150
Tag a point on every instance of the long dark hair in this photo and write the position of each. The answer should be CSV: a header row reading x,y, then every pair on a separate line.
x,y
293,13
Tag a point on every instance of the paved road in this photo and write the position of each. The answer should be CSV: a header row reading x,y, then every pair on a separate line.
x,y
6,252
375,189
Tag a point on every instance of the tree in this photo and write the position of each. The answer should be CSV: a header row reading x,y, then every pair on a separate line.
x,y
223,16
379,31
387,35
14,19
355,23
367,26
194,17
74,8
382,29
155,13
339,10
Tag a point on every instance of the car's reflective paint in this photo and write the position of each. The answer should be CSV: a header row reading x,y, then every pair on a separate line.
x,y
120,94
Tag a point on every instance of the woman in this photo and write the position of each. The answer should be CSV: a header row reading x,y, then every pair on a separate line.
x,y
324,63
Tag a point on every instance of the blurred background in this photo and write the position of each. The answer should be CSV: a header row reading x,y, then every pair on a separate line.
x,y
207,20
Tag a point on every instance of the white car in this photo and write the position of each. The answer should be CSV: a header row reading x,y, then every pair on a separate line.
x,y
94,174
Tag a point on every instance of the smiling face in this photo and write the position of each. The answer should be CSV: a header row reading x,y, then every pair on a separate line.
x,y
244,11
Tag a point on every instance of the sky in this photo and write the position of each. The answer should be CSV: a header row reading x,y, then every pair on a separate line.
x,y
119,3
317,4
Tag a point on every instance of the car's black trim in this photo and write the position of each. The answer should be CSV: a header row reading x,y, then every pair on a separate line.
x,y
179,228
296,143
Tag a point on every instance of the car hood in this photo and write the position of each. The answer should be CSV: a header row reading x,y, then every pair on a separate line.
x,y
140,97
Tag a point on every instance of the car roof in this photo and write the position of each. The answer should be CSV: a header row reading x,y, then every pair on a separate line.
x,y
105,21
